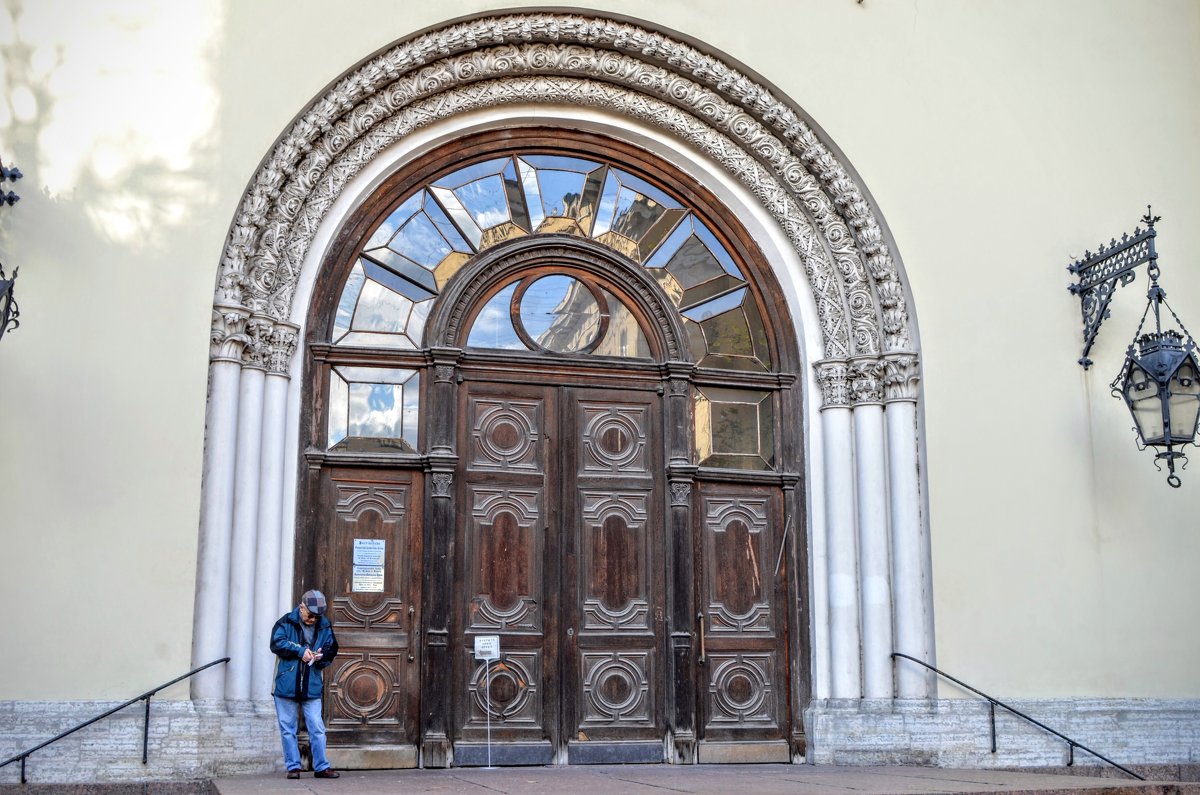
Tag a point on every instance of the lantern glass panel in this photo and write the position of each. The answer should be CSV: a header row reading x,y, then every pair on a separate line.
x,y
1141,393
1184,402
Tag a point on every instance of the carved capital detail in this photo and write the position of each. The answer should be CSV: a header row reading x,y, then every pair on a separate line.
x,y
902,376
866,384
258,342
443,484
834,377
284,338
229,336
443,374
681,493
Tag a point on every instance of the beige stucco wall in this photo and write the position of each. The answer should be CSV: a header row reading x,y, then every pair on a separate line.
x,y
996,138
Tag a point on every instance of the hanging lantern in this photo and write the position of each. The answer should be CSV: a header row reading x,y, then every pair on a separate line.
x,y
1160,383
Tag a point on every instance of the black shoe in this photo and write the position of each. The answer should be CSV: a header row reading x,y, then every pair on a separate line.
x,y
328,772
293,774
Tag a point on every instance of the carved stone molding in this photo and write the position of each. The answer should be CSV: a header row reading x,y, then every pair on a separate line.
x,y
748,131
229,336
866,381
902,377
834,377
443,373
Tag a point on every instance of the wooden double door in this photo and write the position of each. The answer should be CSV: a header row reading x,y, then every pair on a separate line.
x,y
560,526
630,612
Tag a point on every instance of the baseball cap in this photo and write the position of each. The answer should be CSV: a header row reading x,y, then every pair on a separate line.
x,y
314,601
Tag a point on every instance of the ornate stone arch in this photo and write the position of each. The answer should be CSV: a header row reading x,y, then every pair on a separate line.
x,y
867,600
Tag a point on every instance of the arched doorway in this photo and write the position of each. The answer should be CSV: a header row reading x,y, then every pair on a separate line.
x,y
553,375
857,431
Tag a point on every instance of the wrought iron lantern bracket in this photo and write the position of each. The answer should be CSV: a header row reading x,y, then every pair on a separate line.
x,y
1113,265
9,313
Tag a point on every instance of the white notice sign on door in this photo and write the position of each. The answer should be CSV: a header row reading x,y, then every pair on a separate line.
x,y
487,647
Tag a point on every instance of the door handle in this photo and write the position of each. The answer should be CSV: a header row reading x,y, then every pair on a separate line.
x,y
412,638
700,621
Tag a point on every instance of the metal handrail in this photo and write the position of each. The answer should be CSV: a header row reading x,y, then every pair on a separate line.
x,y
994,702
145,726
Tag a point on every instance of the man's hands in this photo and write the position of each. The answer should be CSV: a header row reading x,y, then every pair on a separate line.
x,y
310,656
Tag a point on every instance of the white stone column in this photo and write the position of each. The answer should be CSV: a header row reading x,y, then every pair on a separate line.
x,y
910,538
874,558
838,444
209,633
267,605
245,510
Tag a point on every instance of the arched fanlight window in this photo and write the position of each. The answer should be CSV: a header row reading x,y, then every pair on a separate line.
x,y
408,259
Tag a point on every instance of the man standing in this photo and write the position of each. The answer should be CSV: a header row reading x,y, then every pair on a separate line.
x,y
304,644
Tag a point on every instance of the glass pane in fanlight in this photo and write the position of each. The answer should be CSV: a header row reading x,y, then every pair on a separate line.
x,y
461,217
694,264
448,229
716,306
485,200
493,326
417,320
420,241
380,309
1185,403
533,196
347,302
624,336
560,314
1141,394
718,250
373,402
473,172
516,197
608,205
562,193
395,220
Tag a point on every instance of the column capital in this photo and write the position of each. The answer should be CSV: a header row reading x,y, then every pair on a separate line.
x,y
229,337
902,375
284,338
258,341
866,380
834,377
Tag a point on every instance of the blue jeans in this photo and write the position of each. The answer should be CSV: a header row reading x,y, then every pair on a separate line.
x,y
288,712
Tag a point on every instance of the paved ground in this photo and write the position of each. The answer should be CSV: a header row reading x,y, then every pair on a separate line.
x,y
714,779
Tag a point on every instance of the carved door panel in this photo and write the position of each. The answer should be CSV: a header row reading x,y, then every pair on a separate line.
x,y
371,574
743,693
504,577
613,577
560,533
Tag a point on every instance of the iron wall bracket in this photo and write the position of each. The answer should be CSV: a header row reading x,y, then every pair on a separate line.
x,y
1112,266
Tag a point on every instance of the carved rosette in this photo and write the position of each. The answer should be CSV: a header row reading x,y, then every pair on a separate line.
x,y
902,377
229,338
866,381
834,377
284,338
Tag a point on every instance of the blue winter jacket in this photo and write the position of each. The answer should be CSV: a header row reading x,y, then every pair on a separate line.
x,y
293,678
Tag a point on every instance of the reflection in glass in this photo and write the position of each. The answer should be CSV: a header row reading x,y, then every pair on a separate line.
x,y
716,306
347,302
560,314
380,309
624,337
734,428
399,274
493,327
377,404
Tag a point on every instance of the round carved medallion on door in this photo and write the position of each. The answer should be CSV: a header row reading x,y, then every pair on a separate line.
x,y
361,691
